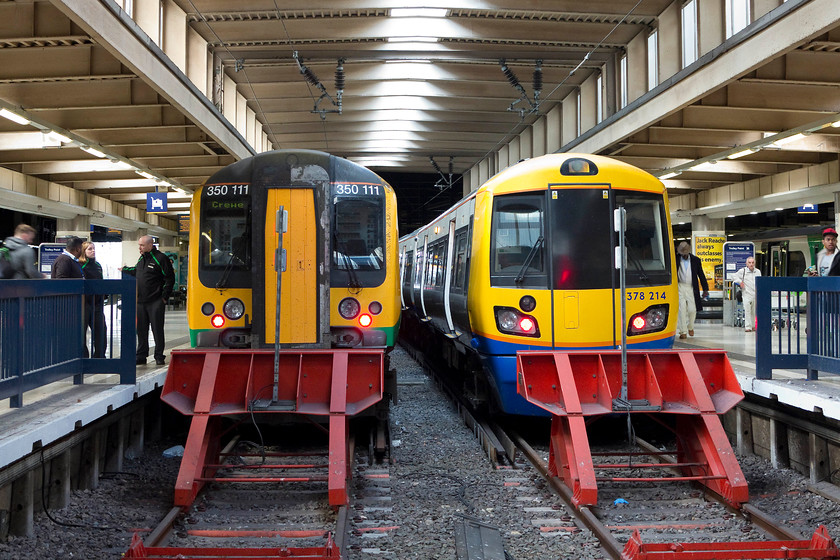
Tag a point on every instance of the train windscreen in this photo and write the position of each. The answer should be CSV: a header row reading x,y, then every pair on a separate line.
x,y
582,239
358,257
225,237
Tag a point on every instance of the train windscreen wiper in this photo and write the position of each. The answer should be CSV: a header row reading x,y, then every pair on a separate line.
x,y
222,283
352,278
531,254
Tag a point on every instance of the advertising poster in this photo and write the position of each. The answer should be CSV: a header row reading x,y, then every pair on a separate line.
x,y
708,246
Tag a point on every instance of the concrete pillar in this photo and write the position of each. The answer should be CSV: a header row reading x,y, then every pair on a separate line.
x,y
78,226
836,210
705,223
90,461
136,434
115,445
59,481
130,251
818,458
779,457
743,438
5,511
21,521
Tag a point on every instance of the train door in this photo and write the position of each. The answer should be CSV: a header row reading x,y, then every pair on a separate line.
x,y
447,282
581,273
299,289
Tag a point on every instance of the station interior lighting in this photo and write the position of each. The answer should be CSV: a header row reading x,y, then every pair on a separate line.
x,y
93,151
5,113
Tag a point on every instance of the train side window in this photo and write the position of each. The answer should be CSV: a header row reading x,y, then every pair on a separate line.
x,y
459,266
409,267
517,243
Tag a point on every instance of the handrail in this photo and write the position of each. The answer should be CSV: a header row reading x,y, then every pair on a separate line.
x,y
778,342
42,333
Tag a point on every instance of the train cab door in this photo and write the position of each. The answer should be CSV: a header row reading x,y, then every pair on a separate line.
x,y
447,281
300,297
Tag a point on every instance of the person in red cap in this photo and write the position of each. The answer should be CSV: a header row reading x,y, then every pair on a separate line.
x,y
827,264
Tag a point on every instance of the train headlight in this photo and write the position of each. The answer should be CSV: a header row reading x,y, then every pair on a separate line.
x,y
652,319
349,308
217,321
234,309
527,303
511,321
208,308
365,320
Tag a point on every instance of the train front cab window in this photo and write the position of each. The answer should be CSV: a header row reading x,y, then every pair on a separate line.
x,y
517,241
225,238
359,242
583,239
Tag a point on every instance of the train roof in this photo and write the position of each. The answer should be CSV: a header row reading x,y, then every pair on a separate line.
x,y
609,171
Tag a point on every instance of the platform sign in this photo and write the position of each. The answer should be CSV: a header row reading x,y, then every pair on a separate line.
x,y
735,255
807,209
156,202
47,253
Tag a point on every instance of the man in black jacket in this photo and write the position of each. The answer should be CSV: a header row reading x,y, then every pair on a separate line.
x,y
67,264
690,277
155,279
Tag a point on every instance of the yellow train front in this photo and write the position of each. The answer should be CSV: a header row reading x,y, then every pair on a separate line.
x,y
527,262
233,239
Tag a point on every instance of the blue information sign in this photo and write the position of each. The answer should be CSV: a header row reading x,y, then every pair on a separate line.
x,y
156,202
807,209
47,253
735,255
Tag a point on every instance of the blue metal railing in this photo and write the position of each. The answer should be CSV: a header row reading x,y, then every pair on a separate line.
x,y
43,336
781,318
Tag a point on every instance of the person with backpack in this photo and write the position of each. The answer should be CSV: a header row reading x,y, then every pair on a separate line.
x,y
21,258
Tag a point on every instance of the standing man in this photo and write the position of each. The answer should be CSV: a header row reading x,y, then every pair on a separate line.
x,y
690,276
745,278
20,253
67,264
827,264
155,278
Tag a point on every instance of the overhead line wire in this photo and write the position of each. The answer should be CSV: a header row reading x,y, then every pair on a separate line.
x,y
564,80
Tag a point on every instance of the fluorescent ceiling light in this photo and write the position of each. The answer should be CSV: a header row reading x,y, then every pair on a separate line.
x,y
753,213
779,209
419,12
118,164
144,174
181,191
13,116
58,137
670,175
793,138
413,39
731,216
835,124
409,60
742,153
93,151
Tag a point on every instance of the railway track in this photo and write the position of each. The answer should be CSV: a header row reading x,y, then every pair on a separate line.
x,y
670,510
264,503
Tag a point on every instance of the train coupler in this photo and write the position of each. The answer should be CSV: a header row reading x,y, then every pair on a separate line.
x,y
693,388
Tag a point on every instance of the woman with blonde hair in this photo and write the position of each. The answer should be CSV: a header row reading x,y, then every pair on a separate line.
x,y
94,304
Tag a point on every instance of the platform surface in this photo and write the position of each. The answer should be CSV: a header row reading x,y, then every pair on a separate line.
x,y
54,411
51,412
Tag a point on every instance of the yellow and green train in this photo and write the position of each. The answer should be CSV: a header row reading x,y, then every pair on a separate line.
x,y
339,281
527,262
